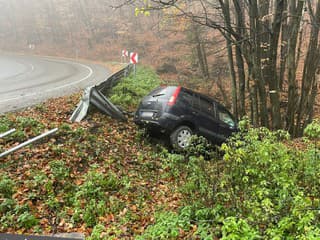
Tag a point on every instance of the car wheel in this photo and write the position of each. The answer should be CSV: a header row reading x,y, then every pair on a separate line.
x,y
180,137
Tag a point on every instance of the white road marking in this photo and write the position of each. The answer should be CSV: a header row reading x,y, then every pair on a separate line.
x,y
78,81
56,88
15,98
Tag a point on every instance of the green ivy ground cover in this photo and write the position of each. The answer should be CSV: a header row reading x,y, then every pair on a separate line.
x,y
105,179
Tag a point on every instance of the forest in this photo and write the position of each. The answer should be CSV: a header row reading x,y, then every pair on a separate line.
x,y
270,47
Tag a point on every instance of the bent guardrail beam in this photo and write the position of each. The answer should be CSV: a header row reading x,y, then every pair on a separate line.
x,y
95,95
103,104
83,106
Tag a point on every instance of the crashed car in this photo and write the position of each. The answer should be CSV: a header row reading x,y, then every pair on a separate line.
x,y
179,113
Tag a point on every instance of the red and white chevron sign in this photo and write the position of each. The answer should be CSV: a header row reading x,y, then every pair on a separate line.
x,y
133,58
125,53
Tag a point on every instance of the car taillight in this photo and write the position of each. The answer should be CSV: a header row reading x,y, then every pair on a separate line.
x,y
174,96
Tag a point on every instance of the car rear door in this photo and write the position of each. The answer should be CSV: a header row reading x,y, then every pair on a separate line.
x,y
206,120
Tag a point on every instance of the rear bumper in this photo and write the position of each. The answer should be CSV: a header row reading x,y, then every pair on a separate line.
x,y
166,123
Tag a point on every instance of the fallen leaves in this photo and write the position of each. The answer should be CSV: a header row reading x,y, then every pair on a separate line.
x,y
98,141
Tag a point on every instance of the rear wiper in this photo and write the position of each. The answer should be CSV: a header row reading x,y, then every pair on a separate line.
x,y
157,95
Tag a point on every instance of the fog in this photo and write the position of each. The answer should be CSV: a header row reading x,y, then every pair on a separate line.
x,y
70,27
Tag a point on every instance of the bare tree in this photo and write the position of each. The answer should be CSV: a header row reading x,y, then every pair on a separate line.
x,y
263,39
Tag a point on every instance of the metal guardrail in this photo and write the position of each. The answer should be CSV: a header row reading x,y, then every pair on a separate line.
x,y
5,236
7,133
27,142
96,95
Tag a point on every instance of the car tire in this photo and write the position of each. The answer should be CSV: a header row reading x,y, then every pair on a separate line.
x,y
180,137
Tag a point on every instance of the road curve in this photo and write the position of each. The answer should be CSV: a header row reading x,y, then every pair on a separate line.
x,y
28,80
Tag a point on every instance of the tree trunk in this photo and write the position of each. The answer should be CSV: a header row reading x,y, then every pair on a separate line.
x,y
240,23
200,51
255,30
283,46
273,79
226,12
295,13
311,64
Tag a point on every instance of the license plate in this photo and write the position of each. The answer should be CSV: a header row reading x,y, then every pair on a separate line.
x,y
147,114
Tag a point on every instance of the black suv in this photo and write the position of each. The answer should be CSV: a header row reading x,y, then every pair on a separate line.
x,y
180,112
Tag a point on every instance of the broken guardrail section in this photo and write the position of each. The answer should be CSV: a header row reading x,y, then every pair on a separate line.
x,y
7,133
28,142
95,95
72,236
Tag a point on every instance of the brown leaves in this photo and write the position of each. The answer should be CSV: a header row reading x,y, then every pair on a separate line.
x,y
98,141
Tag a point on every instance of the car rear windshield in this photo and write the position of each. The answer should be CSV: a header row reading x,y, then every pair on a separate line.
x,y
162,92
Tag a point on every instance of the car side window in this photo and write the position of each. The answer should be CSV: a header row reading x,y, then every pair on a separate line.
x,y
196,101
225,117
186,98
207,107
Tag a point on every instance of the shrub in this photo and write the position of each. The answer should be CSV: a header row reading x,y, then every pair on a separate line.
x,y
129,91
7,205
92,211
198,179
7,221
97,184
263,188
238,229
201,147
5,124
96,232
171,225
90,200
25,123
25,127
27,220
7,186
261,181
59,170
312,131
167,226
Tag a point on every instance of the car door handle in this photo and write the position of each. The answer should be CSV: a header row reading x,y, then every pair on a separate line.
x,y
224,125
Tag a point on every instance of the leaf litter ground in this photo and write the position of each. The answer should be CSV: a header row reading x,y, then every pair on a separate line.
x,y
100,145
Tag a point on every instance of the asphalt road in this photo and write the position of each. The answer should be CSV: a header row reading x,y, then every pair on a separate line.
x,y
28,80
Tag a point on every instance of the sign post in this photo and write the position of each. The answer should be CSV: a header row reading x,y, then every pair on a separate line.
x,y
124,55
134,60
